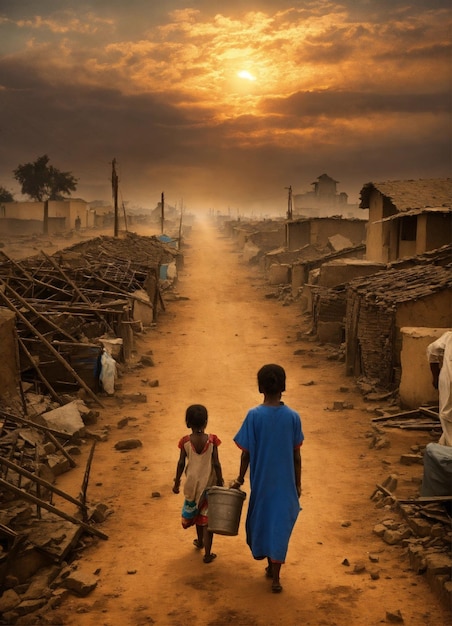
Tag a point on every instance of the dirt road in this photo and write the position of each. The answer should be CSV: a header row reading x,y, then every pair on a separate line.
x,y
207,349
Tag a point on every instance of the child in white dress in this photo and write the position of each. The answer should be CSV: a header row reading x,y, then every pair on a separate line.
x,y
199,458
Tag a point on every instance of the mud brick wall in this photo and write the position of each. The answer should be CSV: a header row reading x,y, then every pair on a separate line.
x,y
376,331
329,305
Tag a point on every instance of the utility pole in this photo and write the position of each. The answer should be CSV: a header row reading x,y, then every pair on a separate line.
x,y
46,217
163,213
180,223
289,203
289,213
114,184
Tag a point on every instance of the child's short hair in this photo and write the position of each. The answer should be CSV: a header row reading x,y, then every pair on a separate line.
x,y
271,379
196,416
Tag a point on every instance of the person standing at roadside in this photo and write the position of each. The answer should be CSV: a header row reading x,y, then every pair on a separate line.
x,y
270,438
199,458
439,354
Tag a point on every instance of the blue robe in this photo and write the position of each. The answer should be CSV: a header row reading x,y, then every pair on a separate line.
x,y
271,434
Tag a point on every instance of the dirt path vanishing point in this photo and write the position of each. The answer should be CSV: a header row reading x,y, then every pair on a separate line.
x,y
207,348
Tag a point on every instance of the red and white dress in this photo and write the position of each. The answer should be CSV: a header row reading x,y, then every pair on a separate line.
x,y
199,476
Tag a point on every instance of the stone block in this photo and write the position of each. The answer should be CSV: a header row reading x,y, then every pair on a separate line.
x,y
58,597
392,537
395,617
420,527
64,419
134,397
27,563
437,582
80,583
58,464
147,361
412,459
446,595
9,600
128,444
99,513
379,530
416,555
39,587
439,563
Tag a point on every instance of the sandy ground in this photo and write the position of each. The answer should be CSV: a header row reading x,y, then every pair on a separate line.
x,y
207,348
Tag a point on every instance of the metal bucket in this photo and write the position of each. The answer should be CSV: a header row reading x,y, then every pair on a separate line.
x,y
224,510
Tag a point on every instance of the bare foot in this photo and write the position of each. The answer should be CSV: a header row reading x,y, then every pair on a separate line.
x,y
209,557
276,587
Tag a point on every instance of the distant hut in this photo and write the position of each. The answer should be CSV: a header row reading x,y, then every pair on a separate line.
x,y
407,217
378,306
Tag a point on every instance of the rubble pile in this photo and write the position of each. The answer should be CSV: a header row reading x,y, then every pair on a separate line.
x,y
422,529
71,305
40,534
69,310
421,526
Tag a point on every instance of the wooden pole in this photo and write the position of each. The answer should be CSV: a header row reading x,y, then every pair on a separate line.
x,y
34,311
47,431
31,279
52,509
289,203
21,387
180,229
56,354
163,213
40,481
427,499
114,184
44,380
86,476
45,226
38,486
75,288
125,216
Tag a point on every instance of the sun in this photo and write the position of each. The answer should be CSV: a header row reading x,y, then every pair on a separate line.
x,y
246,75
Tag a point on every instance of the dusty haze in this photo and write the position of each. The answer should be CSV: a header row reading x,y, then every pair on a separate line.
x,y
223,105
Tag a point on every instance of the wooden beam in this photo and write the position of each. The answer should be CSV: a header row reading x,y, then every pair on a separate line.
x,y
76,289
403,415
86,476
36,367
33,310
48,431
31,280
45,505
58,356
40,481
385,491
427,499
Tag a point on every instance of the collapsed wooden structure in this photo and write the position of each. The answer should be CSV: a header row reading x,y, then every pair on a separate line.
x,y
64,303
67,308
37,528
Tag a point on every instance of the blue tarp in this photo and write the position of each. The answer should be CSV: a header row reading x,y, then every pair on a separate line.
x,y
169,240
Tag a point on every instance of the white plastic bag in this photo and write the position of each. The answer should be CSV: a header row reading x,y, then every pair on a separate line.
x,y
107,372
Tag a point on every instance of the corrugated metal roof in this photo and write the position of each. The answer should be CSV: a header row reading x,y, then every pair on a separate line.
x,y
407,195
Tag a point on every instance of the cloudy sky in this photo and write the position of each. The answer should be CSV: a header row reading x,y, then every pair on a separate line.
x,y
225,104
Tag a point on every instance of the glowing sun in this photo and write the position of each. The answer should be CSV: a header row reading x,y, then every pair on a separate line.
x,y
246,75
